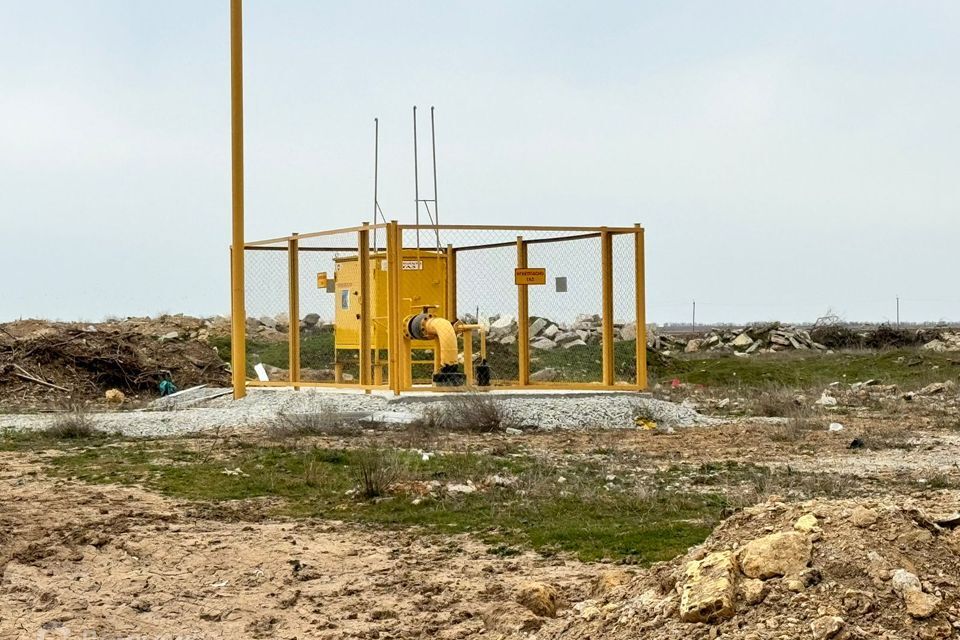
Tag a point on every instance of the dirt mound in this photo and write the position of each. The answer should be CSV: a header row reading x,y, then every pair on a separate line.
x,y
821,569
52,364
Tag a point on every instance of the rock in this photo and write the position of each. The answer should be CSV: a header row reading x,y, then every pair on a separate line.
x,y
778,554
575,343
268,322
311,319
935,388
173,335
907,586
834,427
114,396
551,331
742,341
629,331
709,589
463,489
921,605
566,336
903,581
936,346
826,627
826,400
504,322
753,591
863,517
547,374
692,346
607,581
537,326
508,339
544,344
539,597
806,523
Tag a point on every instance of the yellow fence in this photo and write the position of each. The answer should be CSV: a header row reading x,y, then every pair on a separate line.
x,y
534,307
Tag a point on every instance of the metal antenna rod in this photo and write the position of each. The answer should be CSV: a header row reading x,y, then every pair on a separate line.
x,y
376,169
436,207
416,176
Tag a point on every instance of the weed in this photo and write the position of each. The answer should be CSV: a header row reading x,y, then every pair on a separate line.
x,y
325,422
375,470
799,422
472,412
75,424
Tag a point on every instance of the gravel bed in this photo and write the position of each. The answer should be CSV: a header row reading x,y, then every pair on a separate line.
x,y
567,410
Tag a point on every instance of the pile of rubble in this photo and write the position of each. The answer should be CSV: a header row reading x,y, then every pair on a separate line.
x,y
48,364
823,569
947,341
545,334
759,338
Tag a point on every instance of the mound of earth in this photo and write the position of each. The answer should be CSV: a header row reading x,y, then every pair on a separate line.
x,y
822,569
54,364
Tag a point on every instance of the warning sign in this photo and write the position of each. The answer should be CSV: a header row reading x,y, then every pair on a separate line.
x,y
412,265
530,276
322,280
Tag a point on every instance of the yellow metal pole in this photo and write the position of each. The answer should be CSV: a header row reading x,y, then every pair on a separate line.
x,y
523,318
293,310
606,258
363,255
451,310
468,355
238,314
640,275
393,310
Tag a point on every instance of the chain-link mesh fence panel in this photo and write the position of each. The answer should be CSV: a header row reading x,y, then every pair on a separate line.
x,y
625,308
267,304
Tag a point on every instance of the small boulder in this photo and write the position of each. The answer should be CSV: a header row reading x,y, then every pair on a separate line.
x,y
921,605
547,374
863,517
114,396
753,591
778,554
806,523
709,588
826,627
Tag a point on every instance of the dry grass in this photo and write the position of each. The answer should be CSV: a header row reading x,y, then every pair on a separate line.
x,y
465,412
75,424
375,470
325,422
800,421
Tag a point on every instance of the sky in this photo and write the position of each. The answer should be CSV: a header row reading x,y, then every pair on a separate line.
x,y
787,159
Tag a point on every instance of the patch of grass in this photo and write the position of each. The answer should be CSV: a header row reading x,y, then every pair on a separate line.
x,y
534,510
908,368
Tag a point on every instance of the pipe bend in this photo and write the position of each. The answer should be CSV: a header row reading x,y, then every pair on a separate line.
x,y
442,330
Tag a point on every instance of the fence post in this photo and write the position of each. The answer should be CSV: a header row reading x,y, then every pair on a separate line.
x,y
451,310
641,290
393,309
293,308
363,254
606,259
523,318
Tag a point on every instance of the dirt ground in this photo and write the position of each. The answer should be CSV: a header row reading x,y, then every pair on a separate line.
x,y
118,562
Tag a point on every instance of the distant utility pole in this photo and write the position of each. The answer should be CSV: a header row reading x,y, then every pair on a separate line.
x,y
898,312
693,321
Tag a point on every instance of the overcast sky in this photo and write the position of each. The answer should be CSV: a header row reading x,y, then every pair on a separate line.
x,y
786,158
